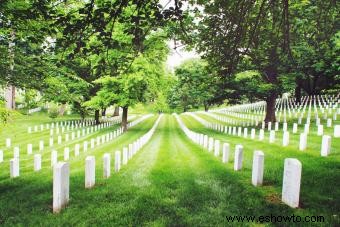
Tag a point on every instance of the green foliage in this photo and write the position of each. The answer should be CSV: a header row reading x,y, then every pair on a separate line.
x,y
160,105
142,82
53,112
22,49
251,84
195,86
287,42
5,115
29,98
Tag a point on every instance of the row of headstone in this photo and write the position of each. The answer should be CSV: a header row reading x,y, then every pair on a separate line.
x,y
67,138
73,124
292,167
285,106
34,110
14,163
243,132
60,124
62,171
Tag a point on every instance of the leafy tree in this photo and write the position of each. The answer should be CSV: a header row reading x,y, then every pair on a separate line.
x,y
22,36
315,45
262,32
196,85
139,83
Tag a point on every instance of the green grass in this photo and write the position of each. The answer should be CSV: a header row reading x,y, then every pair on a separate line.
x,y
170,182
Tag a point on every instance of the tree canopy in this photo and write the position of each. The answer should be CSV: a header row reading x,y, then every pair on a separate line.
x,y
98,53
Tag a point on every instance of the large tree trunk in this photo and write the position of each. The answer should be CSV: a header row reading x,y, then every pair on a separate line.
x,y
270,109
116,112
298,93
96,116
206,107
271,73
10,89
10,97
124,118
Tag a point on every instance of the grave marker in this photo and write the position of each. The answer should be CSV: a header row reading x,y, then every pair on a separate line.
x,y
257,171
61,186
238,157
90,171
291,182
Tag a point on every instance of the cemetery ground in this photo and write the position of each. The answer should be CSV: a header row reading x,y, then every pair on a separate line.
x,y
170,181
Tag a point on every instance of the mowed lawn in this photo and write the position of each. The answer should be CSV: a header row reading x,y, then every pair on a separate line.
x,y
170,182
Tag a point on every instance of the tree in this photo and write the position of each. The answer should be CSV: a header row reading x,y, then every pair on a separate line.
x,y
314,45
282,41
140,81
110,34
257,30
22,35
124,90
196,85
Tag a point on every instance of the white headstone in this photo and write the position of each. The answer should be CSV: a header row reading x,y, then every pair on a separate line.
x,y
306,128
245,132
211,144
261,135
238,157
326,145
85,145
14,167
125,155
217,148
205,142
337,131
303,142
252,133
329,122
285,140
90,171
258,166
225,152
8,142
37,162
51,142
61,186
107,165
239,131
117,161
291,182
295,128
